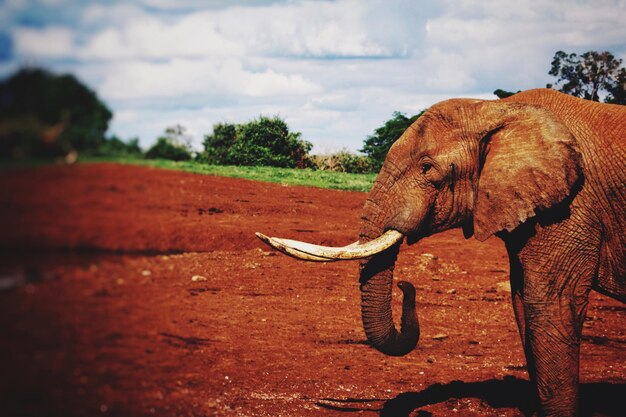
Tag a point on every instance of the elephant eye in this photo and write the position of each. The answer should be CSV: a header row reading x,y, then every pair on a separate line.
x,y
426,167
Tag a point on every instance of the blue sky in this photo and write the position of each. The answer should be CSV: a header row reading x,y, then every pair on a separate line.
x,y
334,70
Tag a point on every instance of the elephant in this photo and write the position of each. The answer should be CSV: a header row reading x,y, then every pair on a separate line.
x,y
541,170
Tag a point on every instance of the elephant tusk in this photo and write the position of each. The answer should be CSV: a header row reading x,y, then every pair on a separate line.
x,y
277,244
310,252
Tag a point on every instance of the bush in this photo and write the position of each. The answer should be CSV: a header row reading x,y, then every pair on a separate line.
x,y
263,142
174,145
217,144
343,161
114,146
165,148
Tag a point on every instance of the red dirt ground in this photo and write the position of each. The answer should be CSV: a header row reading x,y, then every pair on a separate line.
x,y
99,314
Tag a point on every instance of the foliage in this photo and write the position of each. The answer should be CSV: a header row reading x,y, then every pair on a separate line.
x,y
617,93
43,114
261,142
287,176
503,93
114,146
175,145
377,145
589,74
164,148
342,161
218,143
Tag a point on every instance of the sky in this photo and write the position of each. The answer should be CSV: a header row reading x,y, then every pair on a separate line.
x,y
334,70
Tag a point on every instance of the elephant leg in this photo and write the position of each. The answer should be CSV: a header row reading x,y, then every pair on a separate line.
x,y
554,309
553,347
517,298
550,280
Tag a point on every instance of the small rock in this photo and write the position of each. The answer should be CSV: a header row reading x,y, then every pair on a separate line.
x,y
199,278
452,291
504,286
146,273
440,336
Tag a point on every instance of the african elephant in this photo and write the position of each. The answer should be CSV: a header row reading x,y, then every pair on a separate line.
x,y
543,171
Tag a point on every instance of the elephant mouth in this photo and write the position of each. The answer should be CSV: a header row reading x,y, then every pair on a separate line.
x,y
317,253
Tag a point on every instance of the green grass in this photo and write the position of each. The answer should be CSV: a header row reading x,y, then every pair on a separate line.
x,y
306,177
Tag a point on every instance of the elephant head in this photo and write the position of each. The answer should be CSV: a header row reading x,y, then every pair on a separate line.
x,y
485,166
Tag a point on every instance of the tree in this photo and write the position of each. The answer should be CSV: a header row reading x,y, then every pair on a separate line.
x,y
377,145
218,143
114,146
177,134
175,145
47,114
617,94
268,141
589,75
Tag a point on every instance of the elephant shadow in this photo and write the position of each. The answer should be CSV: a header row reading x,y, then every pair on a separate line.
x,y
600,398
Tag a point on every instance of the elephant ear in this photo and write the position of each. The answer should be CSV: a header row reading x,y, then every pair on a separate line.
x,y
529,162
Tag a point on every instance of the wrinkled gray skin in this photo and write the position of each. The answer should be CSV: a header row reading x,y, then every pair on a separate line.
x,y
546,173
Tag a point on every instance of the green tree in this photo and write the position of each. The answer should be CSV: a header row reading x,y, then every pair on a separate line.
x,y
588,75
377,146
114,146
42,113
175,145
617,94
218,143
268,141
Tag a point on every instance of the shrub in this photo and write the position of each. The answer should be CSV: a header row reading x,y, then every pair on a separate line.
x,y
218,143
262,142
175,145
114,146
165,148
343,161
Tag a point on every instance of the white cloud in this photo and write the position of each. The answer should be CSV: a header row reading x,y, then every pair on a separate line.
x,y
111,15
49,42
180,77
308,29
509,44
314,29
151,38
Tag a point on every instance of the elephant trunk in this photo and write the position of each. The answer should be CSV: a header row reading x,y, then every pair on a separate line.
x,y
378,248
376,277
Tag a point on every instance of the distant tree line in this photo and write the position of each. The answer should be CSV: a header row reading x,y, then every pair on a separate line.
x,y
47,115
